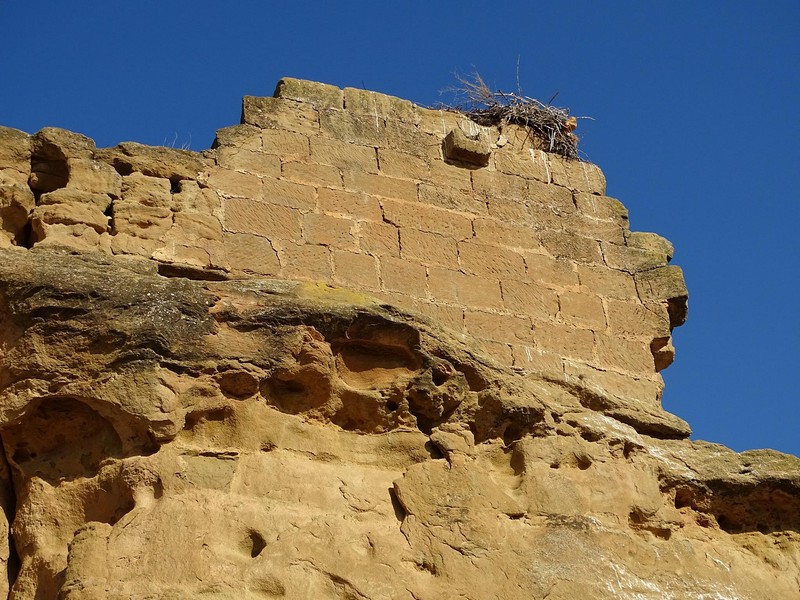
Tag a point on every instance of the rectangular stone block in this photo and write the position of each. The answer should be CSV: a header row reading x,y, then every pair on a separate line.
x,y
450,176
248,161
378,239
286,144
279,113
577,175
428,248
445,315
601,207
358,271
564,341
344,155
498,327
400,275
370,103
552,196
620,354
583,310
380,185
534,359
251,254
511,235
131,217
427,218
596,229
317,94
288,193
607,282
346,126
523,297
268,220
636,319
468,290
329,231
451,199
498,351
619,385
529,164
574,247
93,176
407,137
553,272
312,174
193,226
493,261
402,165
306,262
229,184
245,137
356,205
631,260
493,183
15,150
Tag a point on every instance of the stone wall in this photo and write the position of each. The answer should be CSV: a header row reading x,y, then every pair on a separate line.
x,y
478,228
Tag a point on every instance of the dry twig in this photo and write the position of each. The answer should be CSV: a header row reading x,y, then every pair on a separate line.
x,y
551,124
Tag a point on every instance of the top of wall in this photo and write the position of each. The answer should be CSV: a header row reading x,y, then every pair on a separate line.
x,y
478,228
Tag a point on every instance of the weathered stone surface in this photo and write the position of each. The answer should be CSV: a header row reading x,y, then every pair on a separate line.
x,y
236,424
474,150
475,414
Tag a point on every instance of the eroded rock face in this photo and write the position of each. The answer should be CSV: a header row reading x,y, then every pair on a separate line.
x,y
174,438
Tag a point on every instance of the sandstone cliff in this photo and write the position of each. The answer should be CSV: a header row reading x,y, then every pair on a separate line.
x,y
359,349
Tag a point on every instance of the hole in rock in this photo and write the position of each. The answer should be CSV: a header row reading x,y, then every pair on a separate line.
x,y
367,365
399,511
257,543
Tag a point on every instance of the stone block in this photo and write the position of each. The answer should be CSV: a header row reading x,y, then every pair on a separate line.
x,y
567,245
146,190
345,126
54,143
371,103
93,176
490,184
651,242
244,137
596,229
286,144
534,359
607,282
79,237
446,175
248,161
665,284
359,271
553,272
468,290
329,231
427,218
279,113
15,150
564,341
630,259
69,196
320,95
344,155
71,214
407,137
260,218
356,205
14,177
428,248
312,174
155,161
633,318
451,199
195,227
552,196
620,354
498,327
378,239
251,254
492,261
380,185
472,150
288,193
406,277
312,263
229,184
583,310
601,207
402,165
126,243
139,220
507,234
442,314
577,175
527,298
529,164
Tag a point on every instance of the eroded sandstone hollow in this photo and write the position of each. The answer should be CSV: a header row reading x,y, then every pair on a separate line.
x,y
327,359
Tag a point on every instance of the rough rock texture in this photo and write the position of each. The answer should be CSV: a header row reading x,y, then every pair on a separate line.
x,y
189,408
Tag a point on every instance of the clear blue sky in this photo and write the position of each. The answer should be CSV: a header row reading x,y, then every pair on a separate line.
x,y
696,109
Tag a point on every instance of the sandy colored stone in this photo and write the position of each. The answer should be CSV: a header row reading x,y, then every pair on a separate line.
x,y
278,113
154,161
317,94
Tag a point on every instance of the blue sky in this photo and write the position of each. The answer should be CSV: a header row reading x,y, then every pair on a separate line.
x,y
696,109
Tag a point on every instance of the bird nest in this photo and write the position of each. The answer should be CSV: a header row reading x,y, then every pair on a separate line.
x,y
551,124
